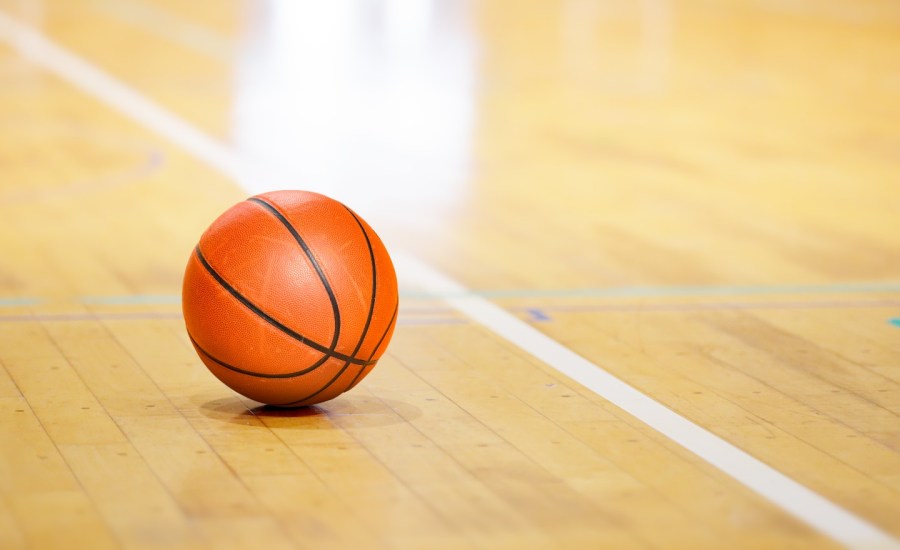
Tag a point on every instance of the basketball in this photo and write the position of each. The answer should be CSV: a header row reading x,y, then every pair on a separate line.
x,y
290,298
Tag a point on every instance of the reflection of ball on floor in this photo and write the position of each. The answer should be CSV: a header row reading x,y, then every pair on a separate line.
x,y
290,298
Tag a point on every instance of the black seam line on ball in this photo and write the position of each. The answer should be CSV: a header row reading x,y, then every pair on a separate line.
x,y
365,330
266,317
253,373
386,330
378,345
320,390
372,303
312,259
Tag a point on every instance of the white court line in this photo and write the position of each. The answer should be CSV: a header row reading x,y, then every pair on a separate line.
x,y
811,508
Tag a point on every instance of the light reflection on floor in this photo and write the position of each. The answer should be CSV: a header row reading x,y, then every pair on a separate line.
x,y
372,103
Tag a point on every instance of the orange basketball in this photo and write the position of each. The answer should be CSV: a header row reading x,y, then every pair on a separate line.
x,y
290,298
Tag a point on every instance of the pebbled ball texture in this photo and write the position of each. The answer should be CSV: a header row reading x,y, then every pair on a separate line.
x,y
290,298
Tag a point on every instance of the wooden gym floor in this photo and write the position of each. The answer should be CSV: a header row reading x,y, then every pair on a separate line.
x,y
700,198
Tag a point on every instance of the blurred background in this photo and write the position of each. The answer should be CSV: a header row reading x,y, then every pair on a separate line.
x,y
626,127
699,197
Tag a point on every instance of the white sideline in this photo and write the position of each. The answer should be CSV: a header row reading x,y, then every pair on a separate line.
x,y
804,504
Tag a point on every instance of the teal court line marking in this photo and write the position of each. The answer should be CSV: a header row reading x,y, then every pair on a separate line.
x,y
12,302
153,316
135,299
598,292
672,291
895,321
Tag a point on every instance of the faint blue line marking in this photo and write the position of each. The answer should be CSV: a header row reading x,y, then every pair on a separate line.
x,y
536,314
895,321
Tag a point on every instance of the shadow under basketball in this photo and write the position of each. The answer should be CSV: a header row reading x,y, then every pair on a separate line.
x,y
362,411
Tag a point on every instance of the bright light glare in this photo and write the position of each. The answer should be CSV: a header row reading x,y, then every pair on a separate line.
x,y
369,102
